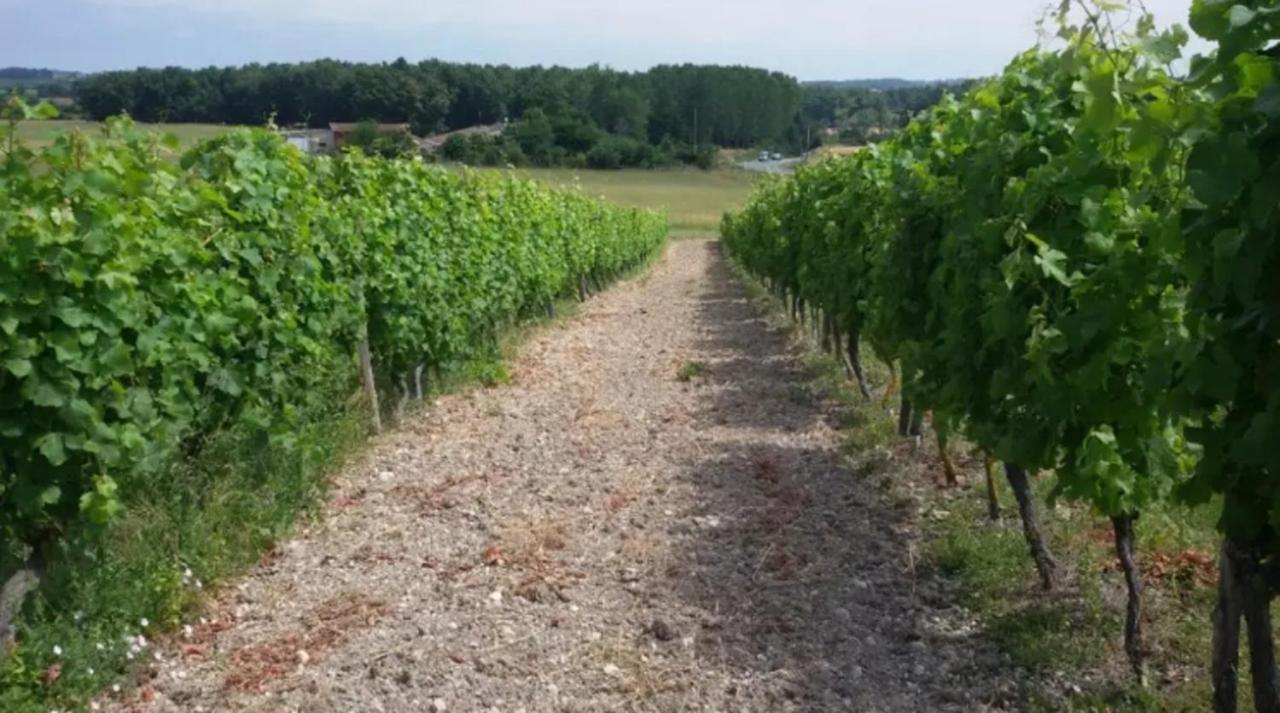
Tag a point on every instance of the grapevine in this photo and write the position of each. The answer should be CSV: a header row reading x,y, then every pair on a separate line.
x,y
147,302
1067,264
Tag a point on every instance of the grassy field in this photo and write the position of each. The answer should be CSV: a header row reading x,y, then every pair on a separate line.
x,y
695,200
42,133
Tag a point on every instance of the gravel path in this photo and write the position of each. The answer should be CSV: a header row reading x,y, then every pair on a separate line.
x,y
596,536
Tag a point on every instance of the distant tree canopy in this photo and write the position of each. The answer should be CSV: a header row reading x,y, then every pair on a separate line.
x,y
592,116
869,110
36,83
36,74
732,106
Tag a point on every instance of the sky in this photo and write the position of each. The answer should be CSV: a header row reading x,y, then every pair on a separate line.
x,y
810,39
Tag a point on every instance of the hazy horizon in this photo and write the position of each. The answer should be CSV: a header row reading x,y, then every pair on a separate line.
x,y
920,40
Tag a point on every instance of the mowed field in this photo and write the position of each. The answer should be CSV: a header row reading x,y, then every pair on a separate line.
x,y
694,199
42,133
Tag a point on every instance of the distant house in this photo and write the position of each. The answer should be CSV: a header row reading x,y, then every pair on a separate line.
x,y
341,130
332,139
309,140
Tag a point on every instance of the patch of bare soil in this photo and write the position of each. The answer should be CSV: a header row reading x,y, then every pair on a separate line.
x,y
599,535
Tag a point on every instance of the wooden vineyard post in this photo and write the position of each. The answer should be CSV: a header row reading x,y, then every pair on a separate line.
x,y
370,388
14,592
993,495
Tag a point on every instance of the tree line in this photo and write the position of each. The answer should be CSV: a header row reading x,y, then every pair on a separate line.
x,y
866,112
581,108
37,82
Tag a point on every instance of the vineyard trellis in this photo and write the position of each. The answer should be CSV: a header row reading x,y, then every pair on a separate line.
x,y
1068,266
146,303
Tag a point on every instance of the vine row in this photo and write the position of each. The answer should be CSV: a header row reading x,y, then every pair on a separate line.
x,y
147,303
1068,266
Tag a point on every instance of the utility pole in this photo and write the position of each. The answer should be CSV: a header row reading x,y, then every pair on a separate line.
x,y
695,128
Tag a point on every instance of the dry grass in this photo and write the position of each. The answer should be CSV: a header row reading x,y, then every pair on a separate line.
x,y
325,627
629,668
531,547
833,151
528,544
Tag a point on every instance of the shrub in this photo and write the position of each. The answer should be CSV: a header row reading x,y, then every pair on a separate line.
x,y
604,156
456,148
389,144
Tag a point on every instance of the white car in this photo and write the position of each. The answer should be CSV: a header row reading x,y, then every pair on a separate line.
x,y
764,155
776,157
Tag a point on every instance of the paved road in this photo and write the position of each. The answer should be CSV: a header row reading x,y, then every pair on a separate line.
x,y
786,165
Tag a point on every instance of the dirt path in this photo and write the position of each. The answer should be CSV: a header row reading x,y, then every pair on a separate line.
x,y
596,536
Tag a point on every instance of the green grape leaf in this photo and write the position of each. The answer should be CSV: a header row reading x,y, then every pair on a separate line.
x,y
18,367
51,447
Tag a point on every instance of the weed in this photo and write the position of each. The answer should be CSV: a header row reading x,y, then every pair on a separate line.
x,y
690,370
196,522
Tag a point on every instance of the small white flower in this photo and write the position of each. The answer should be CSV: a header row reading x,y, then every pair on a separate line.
x,y
188,631
90,670
57,650
199,584
157,656
79,616
94,706
143,621
101,646
129,655
115,688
